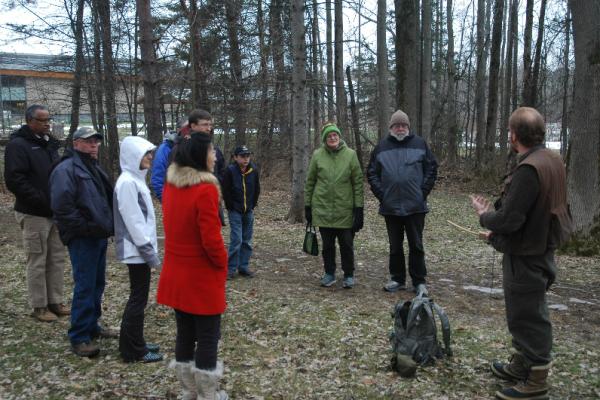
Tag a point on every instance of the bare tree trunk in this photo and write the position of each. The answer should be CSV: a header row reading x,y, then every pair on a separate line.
x,y
583,160
195,22
565,98
300,136
232,12
406,14
329,45
103,9
451,118
538,56
511,41
426,72
263,123
492,113
317,84
382,70
152,104
480,82
355,124
340,92
280,102
527,38
77,27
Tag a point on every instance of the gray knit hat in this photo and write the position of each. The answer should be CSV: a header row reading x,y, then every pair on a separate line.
x,y
399,117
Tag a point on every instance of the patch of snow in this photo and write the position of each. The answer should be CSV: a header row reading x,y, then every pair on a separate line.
x,y
484,289
558,307
576,300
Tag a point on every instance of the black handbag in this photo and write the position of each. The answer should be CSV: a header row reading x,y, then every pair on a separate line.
x,y
311,244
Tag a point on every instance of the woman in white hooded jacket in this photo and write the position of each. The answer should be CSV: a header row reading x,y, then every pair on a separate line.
x,y
136,244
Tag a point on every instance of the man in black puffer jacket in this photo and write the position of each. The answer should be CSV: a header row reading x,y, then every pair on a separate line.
x,y
28,159
402,172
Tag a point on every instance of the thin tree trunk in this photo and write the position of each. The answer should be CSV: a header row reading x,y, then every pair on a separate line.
x,y
527,38
340,92
329,45
538,55
451,117
232,12
263,123
426,72
77,27
300,136
355,125
506,108
315,72
565,97
280,102
382,70
149,67
583,161
406,17
480,82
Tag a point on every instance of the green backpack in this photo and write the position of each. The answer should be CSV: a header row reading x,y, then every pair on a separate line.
x,y
414,336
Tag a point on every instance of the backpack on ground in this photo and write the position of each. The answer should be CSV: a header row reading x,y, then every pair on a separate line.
x,y
414,336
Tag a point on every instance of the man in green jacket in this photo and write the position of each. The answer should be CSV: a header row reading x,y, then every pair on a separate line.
x,y
333,199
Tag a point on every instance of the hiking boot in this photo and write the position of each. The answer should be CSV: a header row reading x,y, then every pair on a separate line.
x,y
327,280
348,282
59,309
85,349
105,333
421,289
246,273
153,347
535,387
393,286
151,357
43,315
515,370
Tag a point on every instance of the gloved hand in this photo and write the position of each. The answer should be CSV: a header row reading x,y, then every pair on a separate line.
x,y
357,219
308,214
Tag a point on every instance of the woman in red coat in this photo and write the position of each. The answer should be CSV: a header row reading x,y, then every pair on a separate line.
x,y
194,272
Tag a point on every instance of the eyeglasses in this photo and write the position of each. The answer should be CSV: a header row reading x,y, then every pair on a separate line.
x,y
43,121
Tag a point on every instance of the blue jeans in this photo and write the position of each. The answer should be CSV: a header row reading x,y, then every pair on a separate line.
x,y
240,240
88,257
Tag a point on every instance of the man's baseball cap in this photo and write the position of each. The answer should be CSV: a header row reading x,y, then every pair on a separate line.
x,y
241,150
86,132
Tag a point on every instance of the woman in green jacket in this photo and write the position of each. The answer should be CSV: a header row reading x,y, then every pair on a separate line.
x,y
333,199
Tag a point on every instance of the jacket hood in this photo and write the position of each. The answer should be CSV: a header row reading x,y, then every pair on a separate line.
x,y
187,176
133,149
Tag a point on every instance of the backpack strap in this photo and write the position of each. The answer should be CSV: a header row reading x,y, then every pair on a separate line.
x,y
445,327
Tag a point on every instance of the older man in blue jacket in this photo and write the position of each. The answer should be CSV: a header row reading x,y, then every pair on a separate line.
x,y
402,172
81,199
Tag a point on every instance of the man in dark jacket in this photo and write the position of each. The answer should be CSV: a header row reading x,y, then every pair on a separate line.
x,y
81,196
241,188
27,159
201,121
527,224
402,172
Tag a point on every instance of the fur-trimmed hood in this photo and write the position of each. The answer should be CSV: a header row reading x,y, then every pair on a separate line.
x,y
187,176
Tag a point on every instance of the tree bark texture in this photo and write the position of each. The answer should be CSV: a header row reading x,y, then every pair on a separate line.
x,y
355,124
329,46
382,70
232,14
452,131
77,27
480,82
406,13
584,153
340,91
426,72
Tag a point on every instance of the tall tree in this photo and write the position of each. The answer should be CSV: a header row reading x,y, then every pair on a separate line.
x,y
77,27
152,104
584,153
406,17
480,81
316,87
232,15
492,113
280,109
527,39
300,135
426,71
263,139
538,56
340,92
511,41
451,118
197,19
382,70
329,45
565,92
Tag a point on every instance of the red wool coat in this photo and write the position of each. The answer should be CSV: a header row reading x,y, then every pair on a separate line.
x,y
194,271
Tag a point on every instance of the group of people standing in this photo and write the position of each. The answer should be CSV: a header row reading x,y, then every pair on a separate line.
x,y
71,199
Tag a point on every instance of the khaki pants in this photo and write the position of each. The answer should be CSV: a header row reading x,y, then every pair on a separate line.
x,y
45,260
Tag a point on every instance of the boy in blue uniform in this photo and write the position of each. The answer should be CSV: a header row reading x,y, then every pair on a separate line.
x,y
241,188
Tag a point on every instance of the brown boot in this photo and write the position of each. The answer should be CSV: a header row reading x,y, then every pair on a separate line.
x,y
42,314
535,387
85,349
59,309
515,370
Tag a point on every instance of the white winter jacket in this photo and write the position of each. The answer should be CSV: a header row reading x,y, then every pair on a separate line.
x,y
135,222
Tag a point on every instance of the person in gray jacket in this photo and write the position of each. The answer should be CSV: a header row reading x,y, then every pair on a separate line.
x,y
136,244
401,173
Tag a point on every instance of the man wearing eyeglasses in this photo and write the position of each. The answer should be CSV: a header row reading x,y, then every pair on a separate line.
x,y
82,202
28,159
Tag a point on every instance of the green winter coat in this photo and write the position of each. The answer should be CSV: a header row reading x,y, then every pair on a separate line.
x,y
334,186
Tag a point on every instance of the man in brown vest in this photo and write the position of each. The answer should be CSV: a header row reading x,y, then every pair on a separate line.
x,y
527,224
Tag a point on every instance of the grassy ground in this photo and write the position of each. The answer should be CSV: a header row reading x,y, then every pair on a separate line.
x,y
284,337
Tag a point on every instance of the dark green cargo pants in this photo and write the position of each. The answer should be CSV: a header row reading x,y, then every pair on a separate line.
x,y
526,280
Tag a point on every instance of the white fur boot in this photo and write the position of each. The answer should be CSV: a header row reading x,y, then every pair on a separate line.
x,y
183,371
207,383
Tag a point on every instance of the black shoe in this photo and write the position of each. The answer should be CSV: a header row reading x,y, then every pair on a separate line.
x,y
246,273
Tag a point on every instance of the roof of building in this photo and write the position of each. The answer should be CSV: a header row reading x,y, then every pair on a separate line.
x,y
36,62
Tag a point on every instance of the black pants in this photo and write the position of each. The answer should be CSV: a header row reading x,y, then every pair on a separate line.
x,y
525,281
413,225
345,239
132,345
198,339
